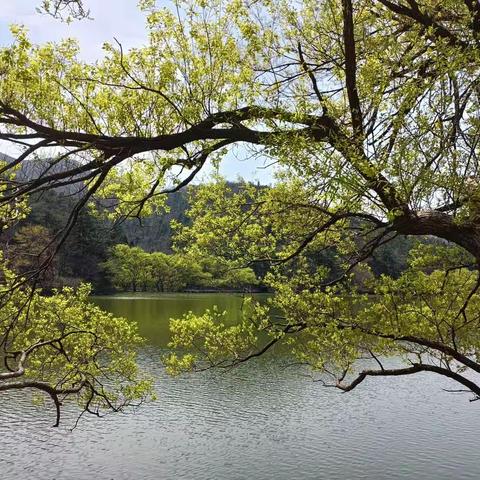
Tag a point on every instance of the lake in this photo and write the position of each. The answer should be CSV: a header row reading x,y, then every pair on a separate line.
x,y
264,420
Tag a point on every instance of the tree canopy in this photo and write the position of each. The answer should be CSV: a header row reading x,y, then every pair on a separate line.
x,y
369,110
66,10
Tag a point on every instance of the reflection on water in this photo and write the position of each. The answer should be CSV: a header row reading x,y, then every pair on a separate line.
x,y
260,421
153,311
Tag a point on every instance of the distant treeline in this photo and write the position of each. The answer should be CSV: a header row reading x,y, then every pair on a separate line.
x,y
95,246
90,243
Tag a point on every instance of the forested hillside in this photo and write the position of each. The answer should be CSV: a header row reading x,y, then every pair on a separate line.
x,y
88,246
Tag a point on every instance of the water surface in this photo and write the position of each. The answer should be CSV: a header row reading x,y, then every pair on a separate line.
x,y
261,421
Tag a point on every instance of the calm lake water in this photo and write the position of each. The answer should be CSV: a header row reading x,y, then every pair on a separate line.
x,y
260,421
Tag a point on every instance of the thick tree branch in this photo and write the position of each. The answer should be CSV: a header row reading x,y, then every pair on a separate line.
x,y
425,20
416,368
351,69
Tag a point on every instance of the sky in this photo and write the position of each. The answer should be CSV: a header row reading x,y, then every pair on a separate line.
x,y
120,19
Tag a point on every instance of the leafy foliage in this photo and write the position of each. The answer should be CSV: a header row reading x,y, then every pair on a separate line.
x,y
66,347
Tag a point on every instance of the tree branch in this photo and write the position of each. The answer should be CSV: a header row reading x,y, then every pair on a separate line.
x,y
351,68
416,368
